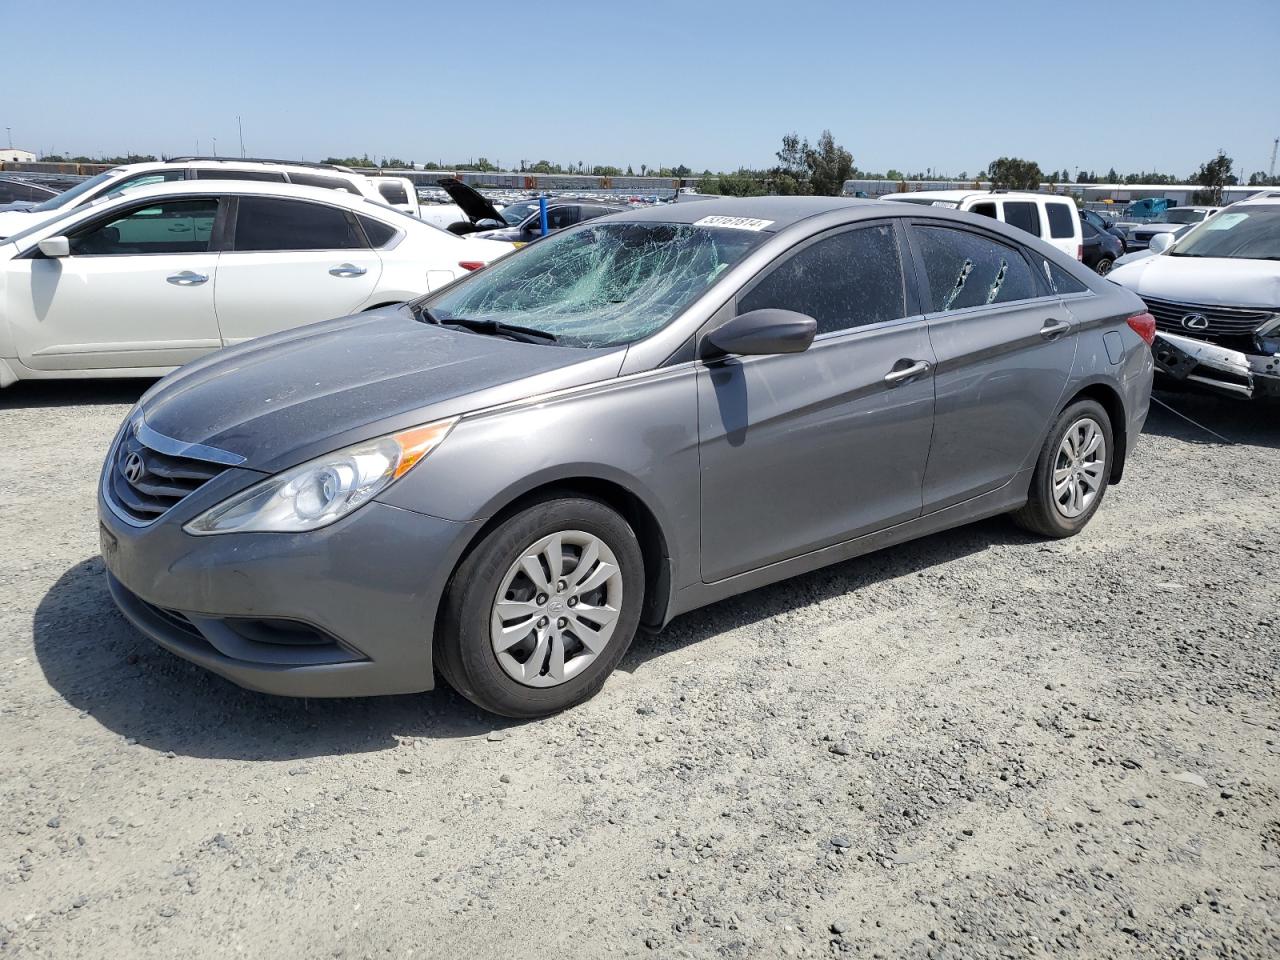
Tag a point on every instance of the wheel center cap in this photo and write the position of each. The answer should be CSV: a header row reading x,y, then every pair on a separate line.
x,y
556,605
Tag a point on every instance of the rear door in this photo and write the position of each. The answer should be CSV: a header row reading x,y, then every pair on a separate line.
x,y
1062,224
1004,345
136,291
801,451
291,262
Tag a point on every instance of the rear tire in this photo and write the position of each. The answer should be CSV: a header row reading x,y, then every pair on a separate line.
x,y
1071,474
1103,266
524,634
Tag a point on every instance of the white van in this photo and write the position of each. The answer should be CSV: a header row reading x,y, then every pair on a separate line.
x,y
1051,218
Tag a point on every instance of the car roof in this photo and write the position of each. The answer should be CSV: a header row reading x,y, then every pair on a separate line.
x,y
235,163
1270,197
174,188
781,212
956,196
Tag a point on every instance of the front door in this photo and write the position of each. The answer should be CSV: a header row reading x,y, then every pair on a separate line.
x,y
291,262
136,291
801,451
1005,347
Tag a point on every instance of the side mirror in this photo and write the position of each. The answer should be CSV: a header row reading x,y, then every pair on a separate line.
x,y
762,332
488,224
55,247
1161,242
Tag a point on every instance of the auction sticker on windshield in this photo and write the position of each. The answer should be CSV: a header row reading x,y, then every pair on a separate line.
x,y
734,223
1225,221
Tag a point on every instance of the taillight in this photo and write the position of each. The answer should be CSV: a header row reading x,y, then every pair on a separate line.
x,y
1144,325
1080,251
471,264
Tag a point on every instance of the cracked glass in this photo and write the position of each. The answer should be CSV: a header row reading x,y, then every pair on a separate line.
x,y
600,285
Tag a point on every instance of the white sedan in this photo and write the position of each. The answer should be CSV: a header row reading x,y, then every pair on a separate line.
x,y
139,284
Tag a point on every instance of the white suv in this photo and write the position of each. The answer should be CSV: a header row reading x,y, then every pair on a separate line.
x,y
393,191
1051,218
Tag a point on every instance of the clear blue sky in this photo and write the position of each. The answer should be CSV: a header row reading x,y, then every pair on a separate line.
x,y
946,85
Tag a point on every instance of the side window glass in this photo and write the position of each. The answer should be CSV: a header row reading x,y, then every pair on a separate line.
x,y
1023,215
213,173
849,280
984,210
173,226
968,270
267,223
393,192
561,217
1060,220
379,233
145,180
1061,281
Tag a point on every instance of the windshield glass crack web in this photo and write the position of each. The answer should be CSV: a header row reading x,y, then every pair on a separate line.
x,y
601,286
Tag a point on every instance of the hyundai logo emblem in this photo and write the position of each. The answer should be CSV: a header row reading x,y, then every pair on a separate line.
x,y
134,468
1195,321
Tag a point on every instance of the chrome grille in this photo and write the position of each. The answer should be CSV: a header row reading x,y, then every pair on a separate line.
x,y
1223,322
145,482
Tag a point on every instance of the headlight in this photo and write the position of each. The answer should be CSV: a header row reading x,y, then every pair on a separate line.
x,y
323,490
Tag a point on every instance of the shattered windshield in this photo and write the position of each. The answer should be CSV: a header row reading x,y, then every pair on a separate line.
x,y
1244,233
600,285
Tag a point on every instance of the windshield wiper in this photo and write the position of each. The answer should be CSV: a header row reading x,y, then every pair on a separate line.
x,y
496,328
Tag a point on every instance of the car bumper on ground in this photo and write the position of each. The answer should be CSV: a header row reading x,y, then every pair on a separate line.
x,y
1217,369
348,610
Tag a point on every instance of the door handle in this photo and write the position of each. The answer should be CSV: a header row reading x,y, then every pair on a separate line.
x,y
347,270
187,278
895,377
1053,329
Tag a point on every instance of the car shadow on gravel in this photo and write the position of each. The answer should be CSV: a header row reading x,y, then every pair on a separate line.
x,y
102,666
37,394
1189,417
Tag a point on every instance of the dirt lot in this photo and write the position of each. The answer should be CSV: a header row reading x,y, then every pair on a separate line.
x,y
976,745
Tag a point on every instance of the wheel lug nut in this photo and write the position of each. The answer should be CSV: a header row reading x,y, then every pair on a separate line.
x,y
560,586
573,601
562,623
542,621
542,598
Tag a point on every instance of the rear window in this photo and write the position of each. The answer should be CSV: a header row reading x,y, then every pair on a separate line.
x,y
1024,215
1062,219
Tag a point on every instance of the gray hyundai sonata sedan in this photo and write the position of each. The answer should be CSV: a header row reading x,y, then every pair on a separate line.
x,y
502,481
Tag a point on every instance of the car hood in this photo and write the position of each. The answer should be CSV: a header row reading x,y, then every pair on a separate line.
x,y
285,398
475,206
1220,281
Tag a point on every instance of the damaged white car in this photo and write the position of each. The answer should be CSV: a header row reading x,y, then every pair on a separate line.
x,y
1215,294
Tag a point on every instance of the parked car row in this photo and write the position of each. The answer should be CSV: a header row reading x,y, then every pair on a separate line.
x,y
20,191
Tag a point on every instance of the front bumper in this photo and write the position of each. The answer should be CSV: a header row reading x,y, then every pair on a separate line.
x,y
348,610
1217,369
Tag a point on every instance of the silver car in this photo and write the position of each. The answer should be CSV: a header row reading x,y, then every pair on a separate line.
x,y
624,421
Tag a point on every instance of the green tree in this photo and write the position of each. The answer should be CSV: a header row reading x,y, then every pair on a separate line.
x,y
830,165
892,174
606,171
1014,173
1213,176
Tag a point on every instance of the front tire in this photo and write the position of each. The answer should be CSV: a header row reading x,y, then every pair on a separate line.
x,y
1103,266
540,613
1071,474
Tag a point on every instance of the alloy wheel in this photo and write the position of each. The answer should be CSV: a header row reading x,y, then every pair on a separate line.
x,y
1079,468
556,608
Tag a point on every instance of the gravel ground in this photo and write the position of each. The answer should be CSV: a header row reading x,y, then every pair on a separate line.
x,y
977,745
